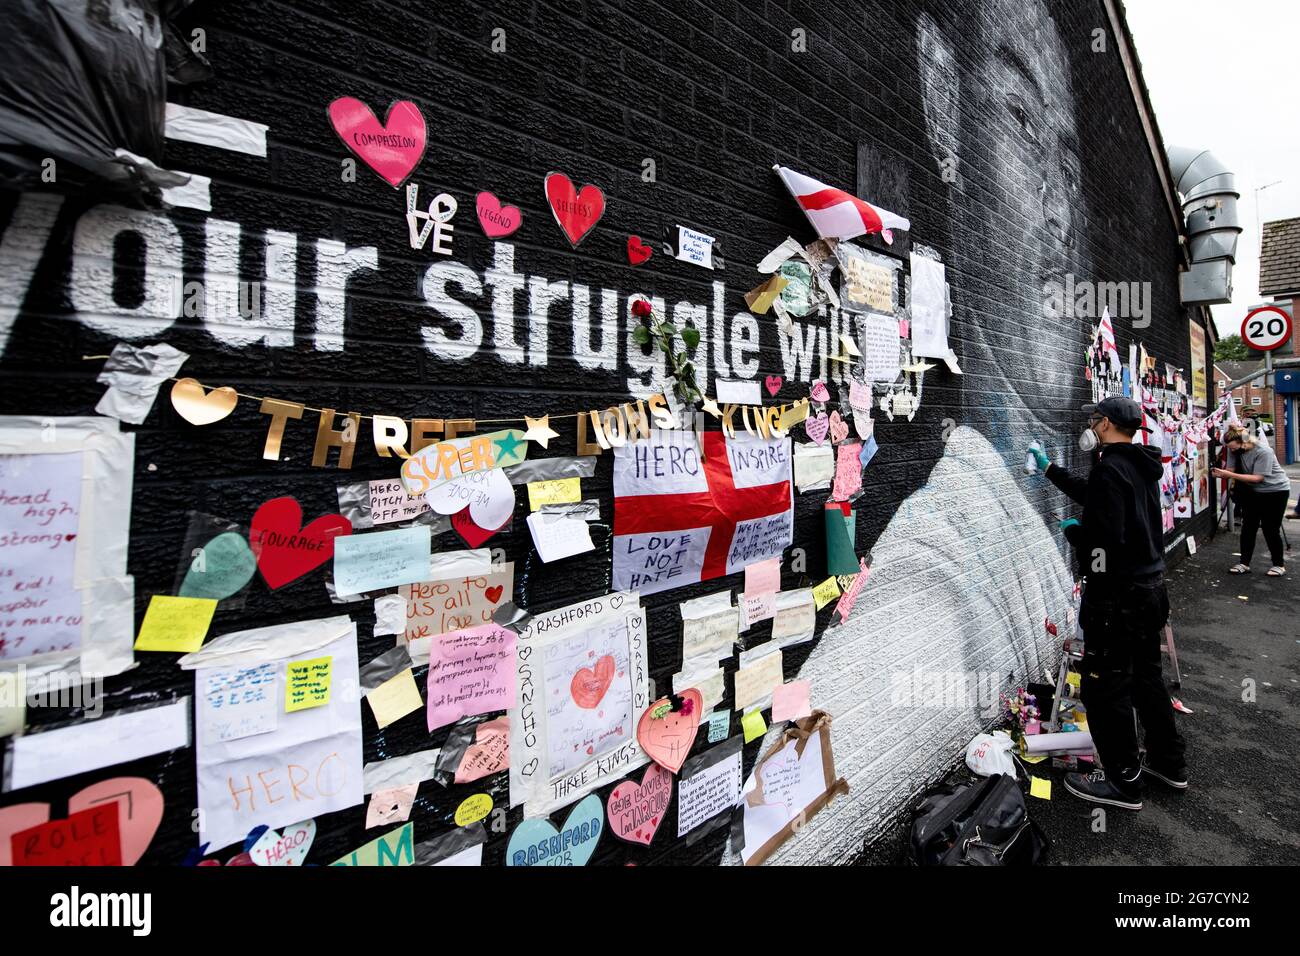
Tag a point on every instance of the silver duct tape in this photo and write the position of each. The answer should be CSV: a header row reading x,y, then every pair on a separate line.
x,y
384,667
550,469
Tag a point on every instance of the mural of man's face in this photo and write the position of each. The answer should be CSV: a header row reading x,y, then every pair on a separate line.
x,y
1019,209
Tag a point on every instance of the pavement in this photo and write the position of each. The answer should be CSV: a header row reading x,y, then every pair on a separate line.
x,y
1238,644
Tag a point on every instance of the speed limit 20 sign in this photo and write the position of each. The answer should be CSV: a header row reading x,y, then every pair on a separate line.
x,y
1266,328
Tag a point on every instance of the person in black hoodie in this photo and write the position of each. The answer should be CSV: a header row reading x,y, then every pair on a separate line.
x,y
1119,542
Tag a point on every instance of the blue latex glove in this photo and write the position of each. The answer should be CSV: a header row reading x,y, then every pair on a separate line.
x,y
1041,458
1070,523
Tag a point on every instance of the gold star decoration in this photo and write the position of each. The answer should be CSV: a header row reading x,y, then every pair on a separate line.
x,y
712,408
539,430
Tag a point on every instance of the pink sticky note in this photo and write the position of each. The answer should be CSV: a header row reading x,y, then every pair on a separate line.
x,y
470,672
390,806
489,752
763,577
848,472
792,701
904,329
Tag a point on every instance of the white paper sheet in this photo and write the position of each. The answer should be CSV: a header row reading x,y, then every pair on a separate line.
x,y
738,392
559,536
929,323
95,744
214,129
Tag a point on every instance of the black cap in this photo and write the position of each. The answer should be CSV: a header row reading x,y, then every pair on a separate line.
x,y
1124,412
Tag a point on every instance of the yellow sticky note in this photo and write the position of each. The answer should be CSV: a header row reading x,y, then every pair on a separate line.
x,y
1040,787
559,491
826,592
754,725
177,624
307,684
472,809
395,698
1072,678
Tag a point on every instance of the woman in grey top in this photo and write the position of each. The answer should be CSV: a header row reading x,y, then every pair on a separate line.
x,y
1265,488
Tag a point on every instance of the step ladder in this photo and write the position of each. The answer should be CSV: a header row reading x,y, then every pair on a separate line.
x,y
1074,653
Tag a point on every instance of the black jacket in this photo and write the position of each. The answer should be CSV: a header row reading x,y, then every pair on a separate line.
x,y
1121,514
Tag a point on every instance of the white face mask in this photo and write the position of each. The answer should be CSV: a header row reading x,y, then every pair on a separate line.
x,y
1088,440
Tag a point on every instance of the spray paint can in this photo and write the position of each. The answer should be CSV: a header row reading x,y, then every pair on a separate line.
x,y
1031,461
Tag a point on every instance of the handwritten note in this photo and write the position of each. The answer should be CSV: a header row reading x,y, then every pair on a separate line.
x,y
40,508
796,617
763,577
489,753
826,592
389,502
381,559
756,680
470,672
694,247
559,536
756,608
240,702
707,639
558,491
307,684
455,603
91,837
708,787
880,348
588,690
395,698
175,624
719,725
848,471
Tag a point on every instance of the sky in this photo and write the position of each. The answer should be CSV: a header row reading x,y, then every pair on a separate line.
x,y
1225,76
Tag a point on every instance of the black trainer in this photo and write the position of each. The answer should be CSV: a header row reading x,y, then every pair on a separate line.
x,y
1170,778
1095,788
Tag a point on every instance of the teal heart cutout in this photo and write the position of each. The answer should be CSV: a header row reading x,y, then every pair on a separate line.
x,y
536,842
226,566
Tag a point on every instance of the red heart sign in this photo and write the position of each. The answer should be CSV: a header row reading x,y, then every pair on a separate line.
x,y
493,594
588,686
576,211
394,149
635,810
470,531
637,251
140,811
285,550
774,383
667,739
497,220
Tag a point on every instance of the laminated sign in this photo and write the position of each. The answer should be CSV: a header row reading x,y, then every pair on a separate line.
x,y
682,517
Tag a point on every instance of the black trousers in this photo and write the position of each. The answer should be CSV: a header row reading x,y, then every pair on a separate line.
x,y
1263,509
1122,629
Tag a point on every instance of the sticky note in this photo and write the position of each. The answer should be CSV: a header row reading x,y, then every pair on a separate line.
x,y
558,491
826,592
763,577
792,700
1040,787
472,809
753,725
175,624
719,725
395,698
307,684
1072,678
392,805
381,559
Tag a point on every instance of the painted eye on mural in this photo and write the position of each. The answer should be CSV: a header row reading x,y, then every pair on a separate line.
x,y
1021,115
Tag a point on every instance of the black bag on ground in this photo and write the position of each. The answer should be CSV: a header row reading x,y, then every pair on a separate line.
x,y
977,824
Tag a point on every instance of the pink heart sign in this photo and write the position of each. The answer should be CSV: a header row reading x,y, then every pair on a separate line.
x,y
839,429
774,383
576,210
497,220
667,735
819,392
817,426
588,686
392,149
635,810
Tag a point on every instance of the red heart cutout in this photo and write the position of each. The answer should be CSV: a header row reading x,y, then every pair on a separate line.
x,y
774,383
576,211
634,810
140,812
285,550
667,739
470,531
394,149
637,251
588,686
494,594
497,220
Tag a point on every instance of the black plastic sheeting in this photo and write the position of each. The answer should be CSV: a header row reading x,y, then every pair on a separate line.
x,y
82,82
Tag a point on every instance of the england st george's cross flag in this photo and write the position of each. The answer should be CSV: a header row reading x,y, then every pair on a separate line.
x,y
679,519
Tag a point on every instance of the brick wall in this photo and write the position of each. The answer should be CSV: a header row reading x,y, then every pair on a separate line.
x,y
1024,106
